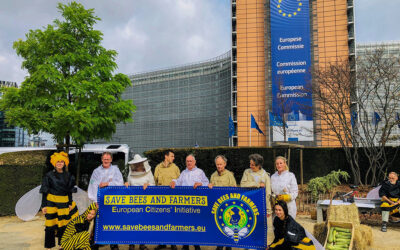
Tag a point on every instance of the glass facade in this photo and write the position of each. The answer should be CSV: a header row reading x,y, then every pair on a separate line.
x,y
11,136
183,106
382,99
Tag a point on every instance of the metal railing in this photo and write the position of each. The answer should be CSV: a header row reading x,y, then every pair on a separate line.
x,y
306,204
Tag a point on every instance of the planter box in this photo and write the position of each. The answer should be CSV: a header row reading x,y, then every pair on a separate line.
x,y
341,224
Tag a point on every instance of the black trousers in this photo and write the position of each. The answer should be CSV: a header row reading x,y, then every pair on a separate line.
x,y
50,236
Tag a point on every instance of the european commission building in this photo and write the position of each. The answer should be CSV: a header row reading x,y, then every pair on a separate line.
x,y
275,44
179,107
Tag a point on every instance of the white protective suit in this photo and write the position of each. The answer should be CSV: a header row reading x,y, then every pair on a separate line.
x,y
285,183
100,174
140,178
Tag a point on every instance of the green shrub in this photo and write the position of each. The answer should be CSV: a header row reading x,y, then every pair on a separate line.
x,y
320,185
15,182
27,158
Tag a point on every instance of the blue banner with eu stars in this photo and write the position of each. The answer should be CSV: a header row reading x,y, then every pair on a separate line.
x,y
182,216
290,69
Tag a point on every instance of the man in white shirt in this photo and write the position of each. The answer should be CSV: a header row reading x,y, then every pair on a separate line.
x,y
191,176
103,176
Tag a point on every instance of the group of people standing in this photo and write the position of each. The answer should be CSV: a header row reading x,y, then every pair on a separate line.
x,y
281,192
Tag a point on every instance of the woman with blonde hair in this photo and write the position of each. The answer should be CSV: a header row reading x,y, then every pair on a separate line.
x,y
57,205
284,185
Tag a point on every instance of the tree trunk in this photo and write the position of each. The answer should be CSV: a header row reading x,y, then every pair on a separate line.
x,y
67,143
78,168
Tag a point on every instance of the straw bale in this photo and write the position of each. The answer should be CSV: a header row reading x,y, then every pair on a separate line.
x,y
362,237
358,243
348,213
320,231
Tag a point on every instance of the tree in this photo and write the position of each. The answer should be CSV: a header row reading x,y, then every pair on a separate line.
x,y
377,101
359,108
70,91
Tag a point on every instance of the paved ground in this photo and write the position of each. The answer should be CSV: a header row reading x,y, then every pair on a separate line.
x,y
17,234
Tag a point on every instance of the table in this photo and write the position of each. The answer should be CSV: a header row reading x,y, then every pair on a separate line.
x,y
363,204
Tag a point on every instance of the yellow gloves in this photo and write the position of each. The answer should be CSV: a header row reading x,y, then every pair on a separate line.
x,y
284,197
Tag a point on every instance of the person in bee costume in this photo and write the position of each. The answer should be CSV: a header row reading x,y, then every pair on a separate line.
x,y
78,233
57,205
390,193
288,233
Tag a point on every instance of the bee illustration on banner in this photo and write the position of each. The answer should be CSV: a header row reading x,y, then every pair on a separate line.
x,y
236,218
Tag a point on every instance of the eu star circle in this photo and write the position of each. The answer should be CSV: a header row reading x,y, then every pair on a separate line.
x,y
289,11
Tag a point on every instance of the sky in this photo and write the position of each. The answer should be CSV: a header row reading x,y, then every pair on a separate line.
x,y
155,34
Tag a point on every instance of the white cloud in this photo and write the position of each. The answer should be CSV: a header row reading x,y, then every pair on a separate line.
x,y
10,68
196,44
186,7
147,34
3,60
152,34
377,20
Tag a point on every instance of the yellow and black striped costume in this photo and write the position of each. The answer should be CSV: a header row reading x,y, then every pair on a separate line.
x,y
392,192
57,189
393,209
77,235
290,235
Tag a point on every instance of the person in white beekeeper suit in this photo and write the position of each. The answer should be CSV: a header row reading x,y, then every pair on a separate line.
x,y
284,185
139,175
103,176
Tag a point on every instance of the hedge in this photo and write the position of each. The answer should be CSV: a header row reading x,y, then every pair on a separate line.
x,y
316,161
15,182
22,171
19,173
27,158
